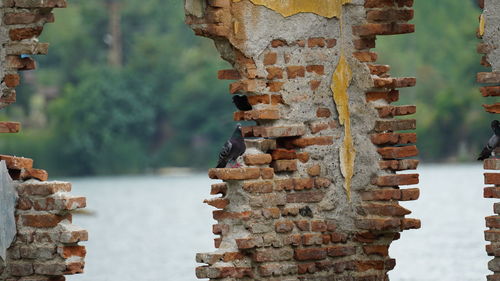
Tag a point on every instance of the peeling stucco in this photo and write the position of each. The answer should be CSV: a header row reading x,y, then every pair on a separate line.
x,y
340,82
325,8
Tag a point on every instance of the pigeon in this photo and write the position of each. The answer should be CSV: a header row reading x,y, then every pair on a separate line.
x,y
241,102
493,142
232,149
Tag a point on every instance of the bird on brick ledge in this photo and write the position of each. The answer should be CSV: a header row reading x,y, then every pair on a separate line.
x,y
493,142
232,149
241,102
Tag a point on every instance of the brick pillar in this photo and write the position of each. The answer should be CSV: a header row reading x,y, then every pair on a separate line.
x,y
45,247
488,32
317,198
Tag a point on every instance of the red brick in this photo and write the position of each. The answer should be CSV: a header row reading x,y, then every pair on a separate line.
x,y
271,213
388,3
278,43
490,91
314,84
295,71
25,33
396,179
284,226
62,202
491,164
389,96
310,254
316,42
274,73
365,56
340,251
492,178
492,108
279,131
395,125
10,127
285,165
392,111
314,170
39,174
234,174
223,215
16,62
305,142
330,43
42,188
378,69
398,152
219,203
70,251
392,83
270,58
381,195
303,225
24,203
11,80
367,265
293,239
378,224
410,194
389,15
390,210
245,243
318,126
365,43
493,221
267,173
305,197
323,113
399,165
488,77
322,182
318,69
257,159
258,186
410,224
283,154
303,157
228,74
492,235
27,18
220,229
382,29
319,226
17,163
491,192
380,250
393,138
44,220
218,188
269,255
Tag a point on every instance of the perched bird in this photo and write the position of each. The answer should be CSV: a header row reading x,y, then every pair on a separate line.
x,y
232,149
493,142
241,102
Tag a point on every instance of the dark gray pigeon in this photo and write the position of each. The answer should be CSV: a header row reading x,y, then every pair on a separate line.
x,y
493,142
232,149
241,102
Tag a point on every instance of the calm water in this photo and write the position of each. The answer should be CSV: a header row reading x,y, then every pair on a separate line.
x,y
149,228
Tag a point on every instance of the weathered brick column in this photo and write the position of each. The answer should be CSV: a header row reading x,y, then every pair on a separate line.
x,y
317,198
488,31
45,247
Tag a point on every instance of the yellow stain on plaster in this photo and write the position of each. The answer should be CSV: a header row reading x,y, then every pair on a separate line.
x,y
324,8
481,25
340,82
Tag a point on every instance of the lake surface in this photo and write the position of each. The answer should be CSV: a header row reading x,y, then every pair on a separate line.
x,y
148,228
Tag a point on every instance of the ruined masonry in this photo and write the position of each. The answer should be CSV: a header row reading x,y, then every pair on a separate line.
x,y
490,34
317,197
45,247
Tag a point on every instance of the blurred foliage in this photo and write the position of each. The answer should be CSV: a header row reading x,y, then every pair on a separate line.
x,y
165,107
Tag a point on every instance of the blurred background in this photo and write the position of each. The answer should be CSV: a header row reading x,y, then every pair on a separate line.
x,y
128,89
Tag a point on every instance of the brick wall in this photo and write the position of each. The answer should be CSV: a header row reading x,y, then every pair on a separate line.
x,y
46,245
489,32
317,196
